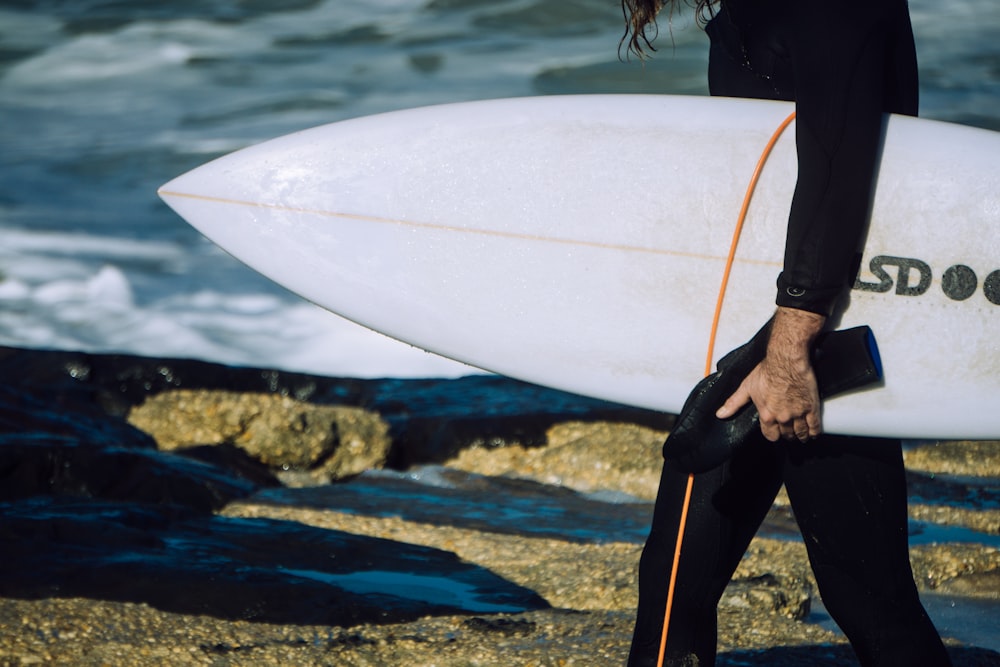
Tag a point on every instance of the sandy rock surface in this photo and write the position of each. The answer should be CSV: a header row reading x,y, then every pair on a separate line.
x,y
328,441
70,419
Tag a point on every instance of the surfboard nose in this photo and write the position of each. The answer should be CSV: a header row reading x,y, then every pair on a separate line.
x,y
189,184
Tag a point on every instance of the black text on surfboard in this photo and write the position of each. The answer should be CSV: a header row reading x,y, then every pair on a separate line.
x,y
913,278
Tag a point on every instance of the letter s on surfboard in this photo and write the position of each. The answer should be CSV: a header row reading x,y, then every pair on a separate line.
x,y
913,278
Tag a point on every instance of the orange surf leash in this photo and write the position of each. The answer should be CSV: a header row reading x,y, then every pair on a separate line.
x,y
685,507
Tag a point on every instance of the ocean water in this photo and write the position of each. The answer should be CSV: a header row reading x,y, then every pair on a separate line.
x,y
101,101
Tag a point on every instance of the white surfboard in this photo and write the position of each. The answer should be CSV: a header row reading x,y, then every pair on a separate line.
x,y
579,242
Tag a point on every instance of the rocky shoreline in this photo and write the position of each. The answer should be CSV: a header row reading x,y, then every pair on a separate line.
x,y
177,512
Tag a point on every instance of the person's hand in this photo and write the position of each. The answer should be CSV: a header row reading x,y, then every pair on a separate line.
x,y
783,385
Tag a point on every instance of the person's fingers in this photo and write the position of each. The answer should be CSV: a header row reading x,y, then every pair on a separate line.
x,y
733,404
801,430
814,424
770,427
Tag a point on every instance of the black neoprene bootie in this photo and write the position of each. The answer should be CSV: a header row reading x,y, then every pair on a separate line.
x,y
842,360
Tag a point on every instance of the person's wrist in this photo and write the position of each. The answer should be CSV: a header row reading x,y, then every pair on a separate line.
x,y
793,332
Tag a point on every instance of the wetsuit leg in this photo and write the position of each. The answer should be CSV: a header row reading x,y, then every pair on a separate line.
x,y
727,507
849,498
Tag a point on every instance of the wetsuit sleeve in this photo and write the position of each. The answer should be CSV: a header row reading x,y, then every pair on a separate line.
x,y
838,54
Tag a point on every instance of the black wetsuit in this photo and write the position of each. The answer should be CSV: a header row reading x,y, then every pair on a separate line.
x,y
844,62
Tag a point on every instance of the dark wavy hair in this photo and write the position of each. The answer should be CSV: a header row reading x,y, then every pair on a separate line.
x,y
640,18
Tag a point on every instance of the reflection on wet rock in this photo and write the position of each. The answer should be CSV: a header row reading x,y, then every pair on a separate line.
x,y
255,569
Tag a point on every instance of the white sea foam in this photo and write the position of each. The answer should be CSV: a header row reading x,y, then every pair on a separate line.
x,y
98,315
53,297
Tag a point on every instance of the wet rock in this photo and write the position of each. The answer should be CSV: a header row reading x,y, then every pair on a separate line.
x,y
281,432
32,467
430,420
441,496
33,412
116,559
433,420
984,585
91,632
64,451
936,564
505,627
253,569
234,461
585,456
966,457
964,500
770,594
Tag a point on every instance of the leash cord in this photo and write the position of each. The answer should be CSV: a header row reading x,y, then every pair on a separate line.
x,y
685,507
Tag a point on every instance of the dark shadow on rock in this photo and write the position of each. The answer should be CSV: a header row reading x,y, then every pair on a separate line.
x,y
839,655
252,569
45,450
233,460
48,413
90,508
29,467
443,496
430,419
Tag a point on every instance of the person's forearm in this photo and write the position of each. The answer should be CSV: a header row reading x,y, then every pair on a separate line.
x,y
792,335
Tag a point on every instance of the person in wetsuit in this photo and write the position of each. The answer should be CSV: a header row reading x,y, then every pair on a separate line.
x,y
843,63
